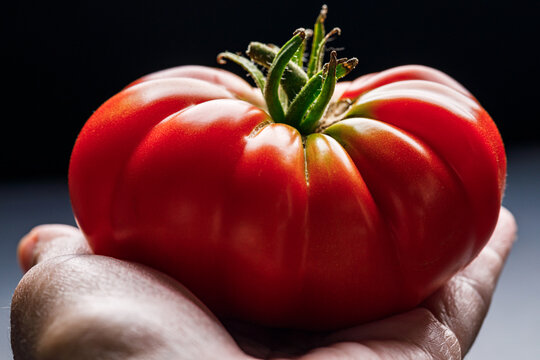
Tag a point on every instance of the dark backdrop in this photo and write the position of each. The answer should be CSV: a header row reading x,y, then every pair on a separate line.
x,y
63,59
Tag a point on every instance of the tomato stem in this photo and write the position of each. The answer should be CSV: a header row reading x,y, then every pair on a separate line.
x,y
311,91
294,77
320,55
306,97
271,90
298,58
345,66
249,66
293,96
310,122
317,42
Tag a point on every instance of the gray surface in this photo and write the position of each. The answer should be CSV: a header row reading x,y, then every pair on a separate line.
x,y
511,330
22,206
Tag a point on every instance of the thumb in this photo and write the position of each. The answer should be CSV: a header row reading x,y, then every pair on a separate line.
x,y
48,241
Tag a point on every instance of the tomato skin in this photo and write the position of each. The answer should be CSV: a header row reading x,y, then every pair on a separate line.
x,y
233,83
362,220
400,73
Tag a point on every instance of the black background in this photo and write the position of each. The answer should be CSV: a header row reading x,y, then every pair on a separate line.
x,y
63,59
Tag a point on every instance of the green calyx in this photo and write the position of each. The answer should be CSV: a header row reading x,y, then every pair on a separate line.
x,y
294,95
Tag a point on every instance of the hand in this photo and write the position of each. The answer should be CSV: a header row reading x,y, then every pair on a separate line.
x,y
74,305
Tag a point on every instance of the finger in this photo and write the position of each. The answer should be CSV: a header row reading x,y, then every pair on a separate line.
x,y
48,241
505,234
415,334
463,302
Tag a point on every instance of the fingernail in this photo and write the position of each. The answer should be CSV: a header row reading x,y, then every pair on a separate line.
x,y
25,250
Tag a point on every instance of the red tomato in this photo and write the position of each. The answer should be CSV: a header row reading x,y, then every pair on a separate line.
x,y
186,172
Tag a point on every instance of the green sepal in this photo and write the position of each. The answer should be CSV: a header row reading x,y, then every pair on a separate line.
x,y
345,66
304,100
298,58
273,79
311,91
318,36
245,63
322,45
310,122
294,77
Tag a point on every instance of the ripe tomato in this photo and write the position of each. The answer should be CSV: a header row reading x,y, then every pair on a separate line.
x,y
362,216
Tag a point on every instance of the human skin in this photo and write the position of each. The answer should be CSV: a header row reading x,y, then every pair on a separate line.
x,y
72,304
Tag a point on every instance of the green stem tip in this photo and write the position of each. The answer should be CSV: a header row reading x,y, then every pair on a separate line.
x,y
317,110
293,95
273,79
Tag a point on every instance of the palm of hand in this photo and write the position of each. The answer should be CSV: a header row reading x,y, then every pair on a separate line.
x,y
75,305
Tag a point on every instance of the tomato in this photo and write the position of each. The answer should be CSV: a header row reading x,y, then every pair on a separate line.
x,y
362,215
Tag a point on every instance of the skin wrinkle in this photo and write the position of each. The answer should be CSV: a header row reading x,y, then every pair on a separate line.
x,y
474,308
450,348
454,346
477,281
443,319
474,286
445,314
425,335
432,335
